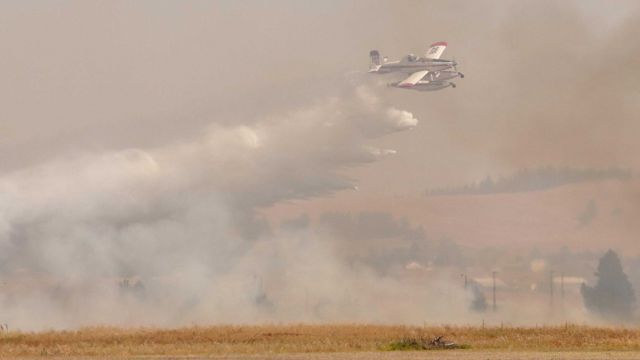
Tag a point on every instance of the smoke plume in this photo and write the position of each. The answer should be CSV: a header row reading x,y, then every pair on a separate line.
x,y
180,218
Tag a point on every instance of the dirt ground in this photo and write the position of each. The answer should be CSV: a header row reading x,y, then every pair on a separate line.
x,y
448,355
400,355
320,342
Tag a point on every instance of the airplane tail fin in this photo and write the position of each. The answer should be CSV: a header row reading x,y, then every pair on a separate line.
x,y
375,58
436,50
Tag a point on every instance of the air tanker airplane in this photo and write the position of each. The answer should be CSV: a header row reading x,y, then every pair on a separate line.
x,y
426,73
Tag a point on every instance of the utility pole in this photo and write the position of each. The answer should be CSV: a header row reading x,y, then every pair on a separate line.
x,y
551,289
493,274
465,280
562,287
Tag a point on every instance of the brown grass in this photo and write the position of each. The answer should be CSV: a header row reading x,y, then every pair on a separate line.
x,y
106,341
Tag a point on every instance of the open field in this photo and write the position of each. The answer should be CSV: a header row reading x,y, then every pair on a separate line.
x,y
402,355
321,341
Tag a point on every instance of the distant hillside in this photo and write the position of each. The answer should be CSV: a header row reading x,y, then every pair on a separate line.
x,y
534,180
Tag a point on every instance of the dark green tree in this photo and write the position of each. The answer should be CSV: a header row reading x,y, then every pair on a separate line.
x,y
612,297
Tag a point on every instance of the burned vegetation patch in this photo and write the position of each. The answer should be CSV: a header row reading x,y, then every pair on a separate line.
x,y
422,343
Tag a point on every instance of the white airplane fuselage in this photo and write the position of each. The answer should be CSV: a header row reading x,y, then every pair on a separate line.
x,y
412,66
425,85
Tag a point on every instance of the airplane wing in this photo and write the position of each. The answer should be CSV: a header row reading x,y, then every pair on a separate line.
x,y
413,78
436,50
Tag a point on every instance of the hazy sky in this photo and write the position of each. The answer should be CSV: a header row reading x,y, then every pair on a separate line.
x,y
547,83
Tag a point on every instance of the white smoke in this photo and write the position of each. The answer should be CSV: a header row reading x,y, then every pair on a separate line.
x,y
182,218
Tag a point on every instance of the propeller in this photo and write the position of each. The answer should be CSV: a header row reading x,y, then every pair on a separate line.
x,y
455,68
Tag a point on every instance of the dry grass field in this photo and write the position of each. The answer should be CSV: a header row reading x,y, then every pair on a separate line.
x,y
230,341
